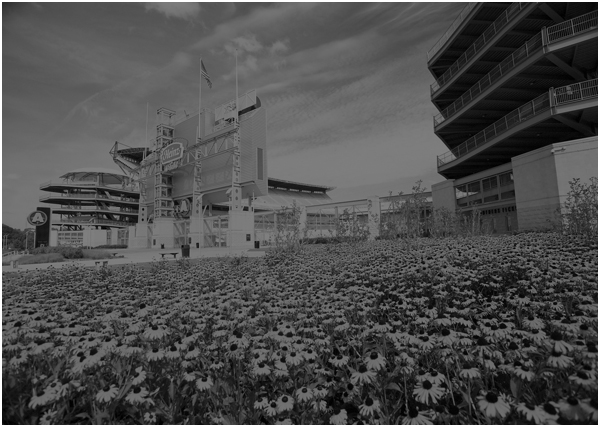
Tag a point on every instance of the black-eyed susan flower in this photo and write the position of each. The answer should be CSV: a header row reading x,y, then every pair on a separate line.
x,y
369,406
304,394
261,368
204,383
155,354
262,403
375,361
427,393
285,403
532,413
339,417
416,417
557,343
271,409
492,405
137,395
363,375
107,394
41,400
571,409
48,417
558,360
155,332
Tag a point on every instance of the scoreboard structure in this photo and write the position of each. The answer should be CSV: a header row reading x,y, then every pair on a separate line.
x,y
214,157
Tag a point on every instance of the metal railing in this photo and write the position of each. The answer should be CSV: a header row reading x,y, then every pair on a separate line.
x,y
575,92
573,26
93,221
463,15
99,208
580,24
478,45
115,187
560,96
90,196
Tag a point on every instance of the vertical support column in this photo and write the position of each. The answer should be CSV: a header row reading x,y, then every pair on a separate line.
x,y
374,216
197,217
303,218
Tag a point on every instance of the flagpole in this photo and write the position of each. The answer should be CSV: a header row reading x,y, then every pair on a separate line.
x,y
236,89
199,99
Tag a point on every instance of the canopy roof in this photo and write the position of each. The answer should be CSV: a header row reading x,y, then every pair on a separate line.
x,y
109,176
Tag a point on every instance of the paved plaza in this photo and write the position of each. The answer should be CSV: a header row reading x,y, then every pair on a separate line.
x,y
136,256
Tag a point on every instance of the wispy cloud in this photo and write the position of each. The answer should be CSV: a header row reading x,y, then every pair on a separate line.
x,y
187,11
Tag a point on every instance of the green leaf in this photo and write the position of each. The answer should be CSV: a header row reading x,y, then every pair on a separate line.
x,y
394,386
515,386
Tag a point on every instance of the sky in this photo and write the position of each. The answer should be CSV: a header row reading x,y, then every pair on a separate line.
x,y
345,85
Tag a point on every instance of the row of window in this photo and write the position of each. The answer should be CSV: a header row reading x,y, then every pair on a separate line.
x,y
499,210
487,190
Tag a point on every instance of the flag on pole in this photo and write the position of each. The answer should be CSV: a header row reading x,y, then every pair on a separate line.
x,y
205,74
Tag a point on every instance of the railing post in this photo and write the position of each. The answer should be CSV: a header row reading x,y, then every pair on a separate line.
x,y
544,37
551,98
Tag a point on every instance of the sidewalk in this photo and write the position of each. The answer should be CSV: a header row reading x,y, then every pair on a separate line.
x,y
134,256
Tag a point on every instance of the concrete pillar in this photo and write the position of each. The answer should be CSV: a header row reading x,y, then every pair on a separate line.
x,y
374,213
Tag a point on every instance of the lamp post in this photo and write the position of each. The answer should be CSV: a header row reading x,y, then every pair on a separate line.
x,y
27,239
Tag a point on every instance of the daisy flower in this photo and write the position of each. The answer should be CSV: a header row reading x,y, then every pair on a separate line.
x,y
282,421
572,410
319,391
416,417
523,372
304,394
374,361
294,358
107,394
363,375
339,361
150,417
285,403
435,377
261,369
261,403
369,407
204,383
172,353
319,406
427,391
41,400
493,406
271,409
535,414
48,417
583,379
339,417
138,376
469,372
155,354
188,374
557,343
155,332
558,360
137,395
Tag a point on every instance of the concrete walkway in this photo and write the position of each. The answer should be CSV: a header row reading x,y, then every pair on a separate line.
x,y
135,256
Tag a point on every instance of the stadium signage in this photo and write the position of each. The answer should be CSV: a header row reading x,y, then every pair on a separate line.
x,y
37,218
171,153
170,166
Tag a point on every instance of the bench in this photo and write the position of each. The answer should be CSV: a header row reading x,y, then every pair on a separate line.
x,y
114,254
104,263
162,254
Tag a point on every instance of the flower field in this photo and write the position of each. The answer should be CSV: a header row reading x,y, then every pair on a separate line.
x,y
487,330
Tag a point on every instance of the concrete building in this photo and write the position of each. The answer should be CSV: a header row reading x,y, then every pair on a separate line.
x,y
516,86
91,207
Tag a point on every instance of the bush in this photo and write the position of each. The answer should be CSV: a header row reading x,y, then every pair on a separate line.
x,y
68,252
95,254
579,213
111,247
41,258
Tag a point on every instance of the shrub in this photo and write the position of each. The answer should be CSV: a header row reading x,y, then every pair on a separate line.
x,y
41,258
67,252
579,213
95,254
111,247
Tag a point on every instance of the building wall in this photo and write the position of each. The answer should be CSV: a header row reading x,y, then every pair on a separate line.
x,y
542,179
443,195
578,160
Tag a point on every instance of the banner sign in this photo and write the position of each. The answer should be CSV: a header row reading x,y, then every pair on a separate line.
x,y
37,218
171,166
42,230
171,152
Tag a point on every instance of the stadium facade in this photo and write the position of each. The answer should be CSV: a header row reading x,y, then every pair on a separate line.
x,y
516,86
91,207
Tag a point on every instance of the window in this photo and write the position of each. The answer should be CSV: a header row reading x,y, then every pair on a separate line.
x,y
490,183
506,179
259,163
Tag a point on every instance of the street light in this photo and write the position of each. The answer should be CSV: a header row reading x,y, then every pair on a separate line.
x,y
27,238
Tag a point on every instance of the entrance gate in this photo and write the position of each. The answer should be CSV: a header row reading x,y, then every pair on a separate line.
x,y
215,231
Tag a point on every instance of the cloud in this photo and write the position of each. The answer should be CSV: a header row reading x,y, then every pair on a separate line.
x,y
279,47
187,11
